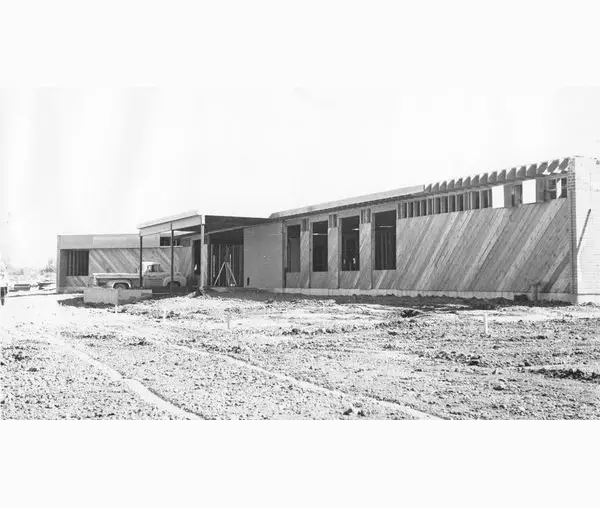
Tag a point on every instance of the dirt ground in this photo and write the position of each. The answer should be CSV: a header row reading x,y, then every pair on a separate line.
x,y
254,355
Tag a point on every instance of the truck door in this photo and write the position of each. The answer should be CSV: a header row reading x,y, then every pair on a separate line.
x,y
153,277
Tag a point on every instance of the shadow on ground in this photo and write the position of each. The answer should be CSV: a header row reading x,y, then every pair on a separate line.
x,y
423,303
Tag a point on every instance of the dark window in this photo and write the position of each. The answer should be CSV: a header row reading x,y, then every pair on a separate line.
x,y
417,209
475,200
423,207
350,244
444,204
430,206
460,203
517,194
385,240
319,246
78,263
410,209
438,205
452,203
467,200
486,198
165,241
551,189
197,256
402,210
293,248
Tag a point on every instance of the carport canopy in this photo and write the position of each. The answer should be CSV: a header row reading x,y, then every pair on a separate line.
x,y
193,222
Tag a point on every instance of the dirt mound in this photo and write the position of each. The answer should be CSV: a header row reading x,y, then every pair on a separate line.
x,y
408,313
466,359
572,373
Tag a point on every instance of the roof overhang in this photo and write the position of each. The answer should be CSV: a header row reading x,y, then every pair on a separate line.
x,y
189,221
350,202
192,222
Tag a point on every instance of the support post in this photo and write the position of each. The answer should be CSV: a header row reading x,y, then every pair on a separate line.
x,y
172,258
201,282
58,268
141,275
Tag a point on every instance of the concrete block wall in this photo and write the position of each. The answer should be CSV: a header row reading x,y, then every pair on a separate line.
x,y
583,186
263,256
333,253
115,296
365,239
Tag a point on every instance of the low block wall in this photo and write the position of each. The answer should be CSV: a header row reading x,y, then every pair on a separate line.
x,y
115,296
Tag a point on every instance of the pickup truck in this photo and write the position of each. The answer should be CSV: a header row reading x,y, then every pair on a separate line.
x,y
152,276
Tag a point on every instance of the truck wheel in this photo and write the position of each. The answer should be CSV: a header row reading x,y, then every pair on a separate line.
x,y
121,285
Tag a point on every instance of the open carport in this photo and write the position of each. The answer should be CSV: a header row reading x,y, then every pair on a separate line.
x,y
217,245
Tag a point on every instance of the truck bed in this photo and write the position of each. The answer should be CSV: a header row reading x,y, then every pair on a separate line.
x,y
116,275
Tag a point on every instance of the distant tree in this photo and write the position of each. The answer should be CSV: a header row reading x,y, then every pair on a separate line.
x,y
50,266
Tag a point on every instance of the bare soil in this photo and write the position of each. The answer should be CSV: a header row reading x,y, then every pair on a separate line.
x,y
255,355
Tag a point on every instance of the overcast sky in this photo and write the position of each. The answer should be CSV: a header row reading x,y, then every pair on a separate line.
x,y
101,161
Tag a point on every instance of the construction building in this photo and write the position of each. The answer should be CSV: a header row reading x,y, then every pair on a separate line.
x,y
530,230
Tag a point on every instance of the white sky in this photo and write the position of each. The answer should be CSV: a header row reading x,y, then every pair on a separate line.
x,y
101,161
392,94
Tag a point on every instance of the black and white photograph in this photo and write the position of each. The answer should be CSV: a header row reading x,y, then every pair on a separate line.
x,y
350,257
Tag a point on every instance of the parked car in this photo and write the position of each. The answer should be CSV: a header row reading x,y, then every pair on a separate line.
x,y
22,286
152,276
47,281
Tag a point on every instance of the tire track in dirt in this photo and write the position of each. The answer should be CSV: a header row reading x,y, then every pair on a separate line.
x,y
133,385
307,385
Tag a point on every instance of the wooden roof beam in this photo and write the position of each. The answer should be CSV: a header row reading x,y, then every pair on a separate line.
x,y
553,165
564,165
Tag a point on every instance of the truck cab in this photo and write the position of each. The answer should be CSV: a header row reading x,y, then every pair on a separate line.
x,y
153,276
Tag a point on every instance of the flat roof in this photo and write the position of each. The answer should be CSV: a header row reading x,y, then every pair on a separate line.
x,y
184,219
349,202
521,172
193,221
